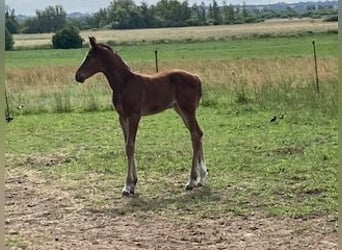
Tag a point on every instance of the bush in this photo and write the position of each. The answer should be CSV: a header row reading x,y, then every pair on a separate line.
x,y
67,38
333,18
250,19
8,40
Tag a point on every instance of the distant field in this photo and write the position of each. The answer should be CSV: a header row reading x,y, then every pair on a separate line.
x,y
177,52
193,33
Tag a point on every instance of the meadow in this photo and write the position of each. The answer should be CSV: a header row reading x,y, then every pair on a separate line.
x,y
269,28
43,80
270,183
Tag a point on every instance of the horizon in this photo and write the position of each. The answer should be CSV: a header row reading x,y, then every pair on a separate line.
x,y
88,7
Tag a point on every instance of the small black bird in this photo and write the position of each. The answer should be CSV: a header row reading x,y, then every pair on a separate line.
x,y
9,118
274,118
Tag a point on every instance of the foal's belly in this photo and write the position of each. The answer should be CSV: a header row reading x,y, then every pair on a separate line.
x,y
156,107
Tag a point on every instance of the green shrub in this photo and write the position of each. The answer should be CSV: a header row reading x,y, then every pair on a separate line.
x,y
8,40
67,38
12,25
333,18
250,19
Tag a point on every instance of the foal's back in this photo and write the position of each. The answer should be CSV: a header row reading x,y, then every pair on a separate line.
x,y
179,84
168,89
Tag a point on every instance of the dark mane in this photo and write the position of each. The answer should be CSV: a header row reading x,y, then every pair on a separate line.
x,y
115,53
107,47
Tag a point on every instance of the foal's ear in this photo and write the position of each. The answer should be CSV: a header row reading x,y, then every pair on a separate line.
x,y
92,42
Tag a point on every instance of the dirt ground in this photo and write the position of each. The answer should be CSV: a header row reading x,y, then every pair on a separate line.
x,y
41,215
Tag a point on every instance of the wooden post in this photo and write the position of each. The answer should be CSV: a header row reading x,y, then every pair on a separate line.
x,y
156,58
8,116
315,58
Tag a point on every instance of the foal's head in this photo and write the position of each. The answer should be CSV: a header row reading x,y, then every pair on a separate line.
x,y
95,60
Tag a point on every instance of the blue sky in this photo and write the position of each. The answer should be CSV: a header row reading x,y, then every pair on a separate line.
x,y
28,7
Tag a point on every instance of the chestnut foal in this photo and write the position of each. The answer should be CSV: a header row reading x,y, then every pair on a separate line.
x,y
136,95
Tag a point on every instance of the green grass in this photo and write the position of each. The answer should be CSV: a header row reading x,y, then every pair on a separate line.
x,y
286,168
230,49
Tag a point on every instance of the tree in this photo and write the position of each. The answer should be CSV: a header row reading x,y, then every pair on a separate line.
x,y
198,16
185,11
67,38
125,14
51,19
228,13
245,12
214,13
8,40
10,21
172,12
202,12
147,18
99,19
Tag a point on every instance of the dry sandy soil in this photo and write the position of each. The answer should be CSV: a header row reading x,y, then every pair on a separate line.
x,y
42,215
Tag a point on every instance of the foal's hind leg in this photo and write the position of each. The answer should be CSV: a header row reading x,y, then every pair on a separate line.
x,y
198,171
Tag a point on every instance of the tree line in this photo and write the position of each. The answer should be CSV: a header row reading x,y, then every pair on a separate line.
x,y
126,14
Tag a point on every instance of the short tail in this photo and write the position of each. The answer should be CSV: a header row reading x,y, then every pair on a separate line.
x,y
199,85
199,89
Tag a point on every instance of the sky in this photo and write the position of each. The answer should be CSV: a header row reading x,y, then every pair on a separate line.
x,y
28,7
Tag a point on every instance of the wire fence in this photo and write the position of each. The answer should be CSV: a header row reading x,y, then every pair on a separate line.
x,y
159,61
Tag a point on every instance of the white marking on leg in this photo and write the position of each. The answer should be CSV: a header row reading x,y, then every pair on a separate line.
x,y
126,190
191,183
203,172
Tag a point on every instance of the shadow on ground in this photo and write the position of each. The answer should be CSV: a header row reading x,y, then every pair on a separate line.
x,y
185,201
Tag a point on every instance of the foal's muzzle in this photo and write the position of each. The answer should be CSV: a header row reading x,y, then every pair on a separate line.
x,y
79,78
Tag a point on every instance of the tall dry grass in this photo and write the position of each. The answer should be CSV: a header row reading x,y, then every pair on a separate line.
x,y
53,89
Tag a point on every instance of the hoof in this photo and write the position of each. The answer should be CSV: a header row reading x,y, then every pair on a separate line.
x,y
128,190
125,193
200,184
189,187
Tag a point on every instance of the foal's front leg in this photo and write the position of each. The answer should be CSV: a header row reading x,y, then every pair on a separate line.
x,y
130,126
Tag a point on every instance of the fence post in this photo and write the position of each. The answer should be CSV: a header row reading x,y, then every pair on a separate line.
x,y
8,116
156,58
315,58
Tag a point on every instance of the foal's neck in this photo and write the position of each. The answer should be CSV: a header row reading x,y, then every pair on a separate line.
x,y
116,72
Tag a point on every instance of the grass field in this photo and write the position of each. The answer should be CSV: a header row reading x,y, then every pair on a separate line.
x,y
270,185
47,82
184,51
274,28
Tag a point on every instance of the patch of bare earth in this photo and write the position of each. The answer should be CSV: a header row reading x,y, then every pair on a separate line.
x,y
40,215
